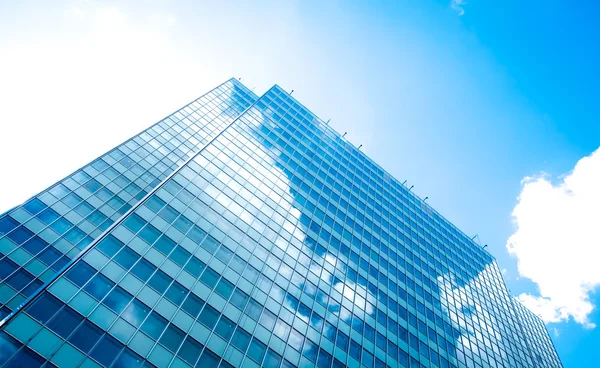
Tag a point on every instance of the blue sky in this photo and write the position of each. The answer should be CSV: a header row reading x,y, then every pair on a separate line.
x,y
464,107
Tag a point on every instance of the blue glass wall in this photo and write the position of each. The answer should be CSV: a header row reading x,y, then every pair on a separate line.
x,y
40,237
278,244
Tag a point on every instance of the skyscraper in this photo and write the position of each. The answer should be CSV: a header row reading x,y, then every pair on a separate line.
x,y
243,231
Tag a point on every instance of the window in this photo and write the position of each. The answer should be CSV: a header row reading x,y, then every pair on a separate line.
x,y
154,325
106,350
195,266
209,277
65,322
110,245
160,281
310,350
9,347
224,288
7,224
20,235
7,267
99,286
117,299
143,269
172,338
257,350
25,358
241,339
126,258
225,328
86,336
190,350
272,359
209,316
136,312
34,206
176,293
192,305
208,359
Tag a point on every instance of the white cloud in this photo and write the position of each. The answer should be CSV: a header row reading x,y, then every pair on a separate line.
x,y
458,5
557,243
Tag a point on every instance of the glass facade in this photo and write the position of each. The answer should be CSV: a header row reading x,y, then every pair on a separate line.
x,y
268,241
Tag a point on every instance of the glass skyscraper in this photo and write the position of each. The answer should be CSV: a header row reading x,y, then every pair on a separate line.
x,y
243,231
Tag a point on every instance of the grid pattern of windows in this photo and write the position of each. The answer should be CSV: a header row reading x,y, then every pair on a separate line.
x,y
543,353
278,244
40,237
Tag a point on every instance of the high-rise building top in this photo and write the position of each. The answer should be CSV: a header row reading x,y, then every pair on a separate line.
x,y
243,231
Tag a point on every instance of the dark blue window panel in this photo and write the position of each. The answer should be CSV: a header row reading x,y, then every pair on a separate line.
x,y
8,347
257,350
176,293
180,256
127,258
86,336
241,339
19,279
164,244
210,277
149,233
109,245
209,316
7,267
172,338
136,312
20,235
25,358
106,350
190,350
195,266
272,359
143,269
192,305
355,350
34,206
80,273
160,281
4,311
7,224
49,256
99,286
117,299
208,359
224,288
225,328
44,307
65,322
31,288
35,245
154,325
